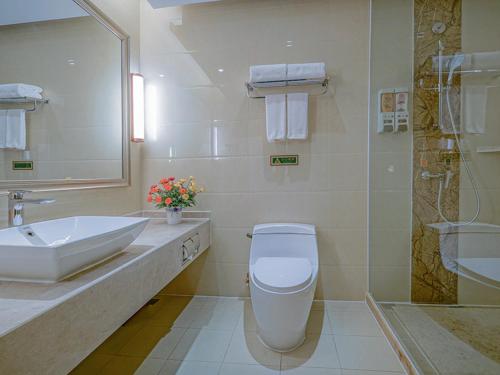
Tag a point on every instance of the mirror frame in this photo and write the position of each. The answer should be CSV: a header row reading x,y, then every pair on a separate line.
x,y
71,184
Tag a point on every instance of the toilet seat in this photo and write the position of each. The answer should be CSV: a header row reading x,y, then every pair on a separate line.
x,y
282,274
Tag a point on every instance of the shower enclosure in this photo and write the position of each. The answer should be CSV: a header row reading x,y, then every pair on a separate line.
x,y
435,181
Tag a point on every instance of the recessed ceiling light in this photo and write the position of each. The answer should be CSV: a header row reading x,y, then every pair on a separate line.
x,y
220,70
162,75
71,61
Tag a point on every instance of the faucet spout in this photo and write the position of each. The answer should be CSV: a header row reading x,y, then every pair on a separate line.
x,y
16,206
38,201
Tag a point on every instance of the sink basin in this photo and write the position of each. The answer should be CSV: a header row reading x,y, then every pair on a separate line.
x,y
51,250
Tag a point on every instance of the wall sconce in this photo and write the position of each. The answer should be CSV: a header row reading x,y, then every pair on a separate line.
x,y
138,117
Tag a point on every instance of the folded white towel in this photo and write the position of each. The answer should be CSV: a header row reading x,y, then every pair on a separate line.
x,y
16,90
297,112
474,100
13,129
276,117
306,71
3,127
268,73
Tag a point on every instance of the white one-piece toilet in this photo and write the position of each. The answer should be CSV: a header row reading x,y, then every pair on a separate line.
x,y
283,274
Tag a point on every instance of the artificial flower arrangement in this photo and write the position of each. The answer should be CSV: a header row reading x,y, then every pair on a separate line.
x,y
174,196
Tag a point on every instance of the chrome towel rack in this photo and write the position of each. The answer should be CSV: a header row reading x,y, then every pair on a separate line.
x,y
252,87
34,102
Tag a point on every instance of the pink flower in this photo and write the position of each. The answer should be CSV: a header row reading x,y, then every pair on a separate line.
x,y
163,181
168,187
168,200
171,178
182,191
158,199
150,198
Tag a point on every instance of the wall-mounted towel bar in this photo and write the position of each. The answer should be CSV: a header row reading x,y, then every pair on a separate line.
x,y
253,86
34,102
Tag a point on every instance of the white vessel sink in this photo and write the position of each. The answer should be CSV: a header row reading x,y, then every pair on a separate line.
x,y
49,251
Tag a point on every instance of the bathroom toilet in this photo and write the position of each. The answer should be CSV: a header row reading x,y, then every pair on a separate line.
x,y
283,272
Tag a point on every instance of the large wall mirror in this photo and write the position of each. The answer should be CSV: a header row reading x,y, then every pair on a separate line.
x,y
63,95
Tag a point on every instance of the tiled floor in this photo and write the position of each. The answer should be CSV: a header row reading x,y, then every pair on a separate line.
x,y
209,335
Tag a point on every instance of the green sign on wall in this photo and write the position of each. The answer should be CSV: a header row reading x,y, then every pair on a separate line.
x,y
22,165
283,160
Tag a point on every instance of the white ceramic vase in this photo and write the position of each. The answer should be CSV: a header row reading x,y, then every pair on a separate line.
x,y
174,215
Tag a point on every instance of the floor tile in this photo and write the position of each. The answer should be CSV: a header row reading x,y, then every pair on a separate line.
x,y
118,339
121,365
366,353
247,319
346,305
175,315
246,348
318,305
148,311
144,341
202,345
203,301
353,322
362,372
318,323
150,366
178,301
311,371
240,369
224,316
167,343
92,364
317,351
189,368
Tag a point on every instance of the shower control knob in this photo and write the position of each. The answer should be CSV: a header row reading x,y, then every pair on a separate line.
x,y
438,27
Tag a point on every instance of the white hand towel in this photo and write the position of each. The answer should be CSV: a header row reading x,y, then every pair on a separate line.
x,y
276,117
15,90
306,71
268,73
3,127
474,100
297,112
16,129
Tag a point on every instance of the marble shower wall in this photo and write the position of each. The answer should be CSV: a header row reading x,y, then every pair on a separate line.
x,y
431,282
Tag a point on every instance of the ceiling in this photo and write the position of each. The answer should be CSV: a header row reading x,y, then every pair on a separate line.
x,y
24,11
171,3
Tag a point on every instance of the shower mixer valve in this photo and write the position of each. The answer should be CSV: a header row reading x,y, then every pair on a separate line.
x,y
426,175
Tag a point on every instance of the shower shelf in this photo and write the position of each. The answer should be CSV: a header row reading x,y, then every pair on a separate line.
x,y
35,102
488,149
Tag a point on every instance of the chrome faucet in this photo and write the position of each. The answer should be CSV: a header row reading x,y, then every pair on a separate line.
x,y
16,206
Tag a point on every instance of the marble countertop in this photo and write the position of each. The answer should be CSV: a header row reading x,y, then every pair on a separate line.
x,y
20,302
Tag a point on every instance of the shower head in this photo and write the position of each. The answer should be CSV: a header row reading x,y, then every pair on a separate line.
x,y
454,63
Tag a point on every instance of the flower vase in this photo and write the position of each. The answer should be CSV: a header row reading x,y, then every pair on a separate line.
x,y
174,215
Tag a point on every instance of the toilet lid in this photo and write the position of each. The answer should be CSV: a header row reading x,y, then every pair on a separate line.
x,y
282,274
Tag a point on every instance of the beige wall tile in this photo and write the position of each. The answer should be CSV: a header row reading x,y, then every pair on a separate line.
x,y
390,283
327,188
341,282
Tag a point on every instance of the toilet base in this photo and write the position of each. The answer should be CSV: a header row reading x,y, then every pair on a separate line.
x,y
282,350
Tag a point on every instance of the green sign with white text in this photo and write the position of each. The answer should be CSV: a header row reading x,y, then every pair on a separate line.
x,y
284,160
22,165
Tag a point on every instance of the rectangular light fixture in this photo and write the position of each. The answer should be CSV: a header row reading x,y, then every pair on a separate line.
x,y
137,101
